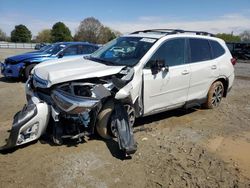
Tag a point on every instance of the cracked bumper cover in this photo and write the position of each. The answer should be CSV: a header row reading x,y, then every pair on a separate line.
x,y
28,124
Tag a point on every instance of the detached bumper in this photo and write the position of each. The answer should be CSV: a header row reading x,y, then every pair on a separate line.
x,y
28,124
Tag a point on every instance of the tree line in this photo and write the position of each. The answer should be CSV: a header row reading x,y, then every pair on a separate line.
x,y
89,30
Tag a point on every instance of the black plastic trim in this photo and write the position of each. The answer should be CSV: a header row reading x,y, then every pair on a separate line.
x,y
195,102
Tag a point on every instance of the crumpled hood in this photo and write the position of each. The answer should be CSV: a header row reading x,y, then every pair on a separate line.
x,y
25,56
68,69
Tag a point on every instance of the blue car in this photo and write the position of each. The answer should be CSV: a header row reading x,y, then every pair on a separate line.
x,y
20,66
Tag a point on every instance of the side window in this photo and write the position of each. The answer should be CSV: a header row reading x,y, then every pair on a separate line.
x,y
172,52
86,49
72,50
200,50
218,50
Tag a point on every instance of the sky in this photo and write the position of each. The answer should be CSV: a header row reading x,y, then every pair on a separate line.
x,y
214,16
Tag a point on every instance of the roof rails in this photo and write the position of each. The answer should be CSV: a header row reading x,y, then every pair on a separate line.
x,y
173,31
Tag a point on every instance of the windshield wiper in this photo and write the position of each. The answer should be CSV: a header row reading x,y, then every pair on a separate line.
x,y
99,60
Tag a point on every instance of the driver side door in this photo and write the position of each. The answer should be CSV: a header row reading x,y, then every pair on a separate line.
x,y
168,88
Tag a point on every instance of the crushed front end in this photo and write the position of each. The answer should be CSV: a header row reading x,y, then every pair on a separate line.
x,y
74,105
67,110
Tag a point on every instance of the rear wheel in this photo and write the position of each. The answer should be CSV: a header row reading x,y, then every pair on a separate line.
x,y
215,95
28,70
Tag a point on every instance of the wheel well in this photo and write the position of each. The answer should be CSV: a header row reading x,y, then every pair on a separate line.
x,y
225,85
22,72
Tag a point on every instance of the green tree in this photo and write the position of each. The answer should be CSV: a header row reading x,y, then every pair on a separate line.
x,y
228,37
60,32
88,30
106,35
92,30
21,34
3,36
44,36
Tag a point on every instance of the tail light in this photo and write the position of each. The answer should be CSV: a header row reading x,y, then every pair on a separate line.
x,y
233,61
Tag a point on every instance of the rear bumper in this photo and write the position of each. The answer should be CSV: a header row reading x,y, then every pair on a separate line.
x,y
229,89
230,84
230,81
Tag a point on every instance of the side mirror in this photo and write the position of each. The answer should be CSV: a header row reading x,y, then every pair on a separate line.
x,y
60,55
157,66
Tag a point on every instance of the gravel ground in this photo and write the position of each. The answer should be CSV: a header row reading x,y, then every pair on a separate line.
x,y
180,148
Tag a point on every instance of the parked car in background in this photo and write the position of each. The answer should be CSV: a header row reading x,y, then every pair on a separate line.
x,y
20,66
239,50
40,45
43,48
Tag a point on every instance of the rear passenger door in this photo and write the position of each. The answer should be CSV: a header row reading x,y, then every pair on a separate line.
x,y
203,67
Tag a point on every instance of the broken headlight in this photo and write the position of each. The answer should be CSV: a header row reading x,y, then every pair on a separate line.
x,y
75,98
73,104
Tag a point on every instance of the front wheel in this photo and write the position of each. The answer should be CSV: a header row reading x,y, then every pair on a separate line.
x,y
215,95
131,118
105,126
103,119
28,70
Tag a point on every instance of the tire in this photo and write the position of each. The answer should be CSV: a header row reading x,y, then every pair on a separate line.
x,y
215,95
103,120
28,70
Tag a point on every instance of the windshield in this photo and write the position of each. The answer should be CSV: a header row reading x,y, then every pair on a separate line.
x,y
54,49
45,47
123,51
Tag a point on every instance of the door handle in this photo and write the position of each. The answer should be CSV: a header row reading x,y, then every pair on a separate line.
x,y
214,67
185,72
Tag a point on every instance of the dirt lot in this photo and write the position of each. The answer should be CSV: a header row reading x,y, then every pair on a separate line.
x,y
194,148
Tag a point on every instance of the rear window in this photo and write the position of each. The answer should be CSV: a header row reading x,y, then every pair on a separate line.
x,y
200,50
217,49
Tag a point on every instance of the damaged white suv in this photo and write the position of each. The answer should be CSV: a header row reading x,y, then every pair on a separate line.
x,y
139,74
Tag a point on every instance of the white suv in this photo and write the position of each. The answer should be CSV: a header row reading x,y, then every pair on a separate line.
x,y
146,71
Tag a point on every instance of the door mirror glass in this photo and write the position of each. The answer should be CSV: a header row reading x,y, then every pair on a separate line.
x,y
157,66
60,55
